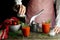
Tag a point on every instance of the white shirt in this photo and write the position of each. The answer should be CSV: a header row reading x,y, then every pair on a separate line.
x,y
58,13
18,2
52,33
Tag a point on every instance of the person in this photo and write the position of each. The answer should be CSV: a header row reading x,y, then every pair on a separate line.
x,y
37,5
56,29
34,8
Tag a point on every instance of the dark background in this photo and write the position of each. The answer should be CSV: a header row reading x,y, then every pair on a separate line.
x,y
6,10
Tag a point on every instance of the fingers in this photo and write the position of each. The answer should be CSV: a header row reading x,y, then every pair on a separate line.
x,y
56,30
22,10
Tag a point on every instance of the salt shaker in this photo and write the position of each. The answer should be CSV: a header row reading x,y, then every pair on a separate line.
x,y
34,26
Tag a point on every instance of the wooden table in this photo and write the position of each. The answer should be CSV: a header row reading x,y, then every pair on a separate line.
x,y
36,36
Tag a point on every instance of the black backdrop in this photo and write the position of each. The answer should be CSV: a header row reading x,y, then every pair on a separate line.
x,y
6,10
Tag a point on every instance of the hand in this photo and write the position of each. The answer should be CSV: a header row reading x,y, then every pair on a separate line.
x,y
56,29
22,10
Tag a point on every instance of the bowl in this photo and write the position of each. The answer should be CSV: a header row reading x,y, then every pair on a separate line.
x,y
15,28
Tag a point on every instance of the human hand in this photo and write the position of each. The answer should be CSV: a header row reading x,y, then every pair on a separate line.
x,y
22,10
56,29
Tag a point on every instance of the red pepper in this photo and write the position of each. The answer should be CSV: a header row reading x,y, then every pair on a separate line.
x,y
2,34
7,29
5,36
14,18
7,22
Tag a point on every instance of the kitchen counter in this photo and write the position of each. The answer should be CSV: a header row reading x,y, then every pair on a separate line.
x,y
36,36
33,36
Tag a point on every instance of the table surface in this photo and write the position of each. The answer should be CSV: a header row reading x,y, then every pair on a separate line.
x,y
36,36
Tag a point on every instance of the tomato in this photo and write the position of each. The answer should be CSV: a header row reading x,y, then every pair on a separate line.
x,y
14,23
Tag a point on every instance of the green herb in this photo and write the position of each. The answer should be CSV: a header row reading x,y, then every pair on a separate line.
x,y
24,25
12,34
49,20
15,34
21,22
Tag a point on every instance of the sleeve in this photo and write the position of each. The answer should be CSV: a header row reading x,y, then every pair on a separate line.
x,y
18,2
58,18
58,13
54,0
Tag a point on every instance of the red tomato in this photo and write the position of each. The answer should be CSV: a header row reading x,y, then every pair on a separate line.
x,y
14,23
